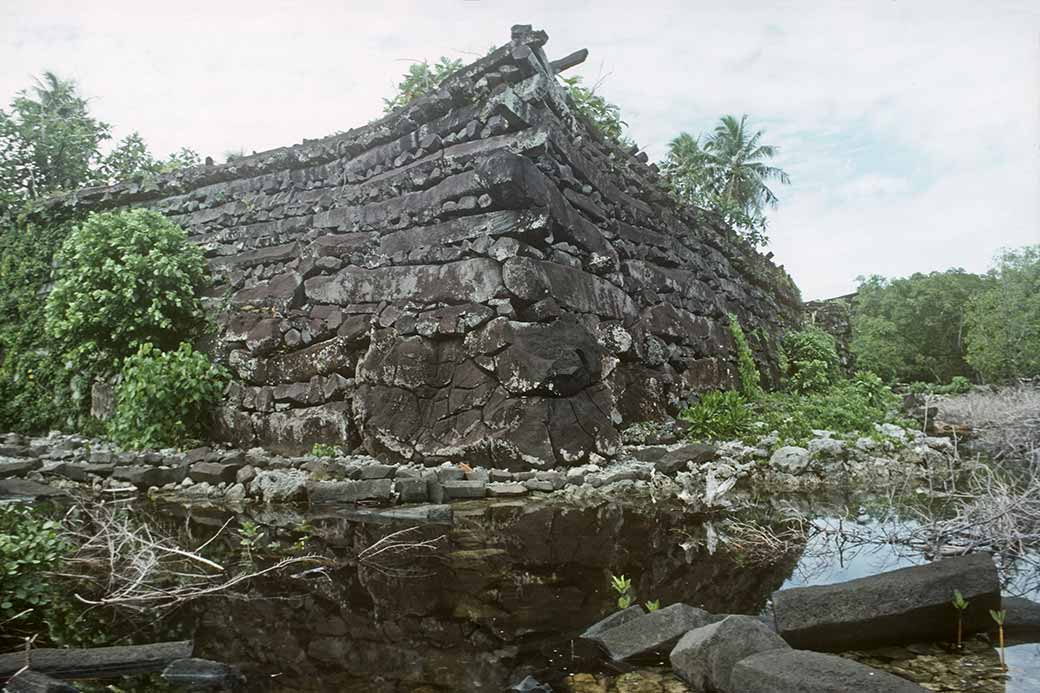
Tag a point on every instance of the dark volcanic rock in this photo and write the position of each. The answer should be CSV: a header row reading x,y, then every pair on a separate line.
x,y
23,488
81,472
214,472
477,275
705,656
143,477
777,671
13,467
901,606
348,491
615,619
1023,619
653,632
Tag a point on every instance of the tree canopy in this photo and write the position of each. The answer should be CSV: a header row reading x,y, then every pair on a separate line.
x,y
50,142
913,328
725,171
1003,319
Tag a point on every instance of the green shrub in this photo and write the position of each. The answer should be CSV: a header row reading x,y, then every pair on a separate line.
x,y
123,279
29,546
750,379
165,397
811,360
718,416
958,385
324,450
848,407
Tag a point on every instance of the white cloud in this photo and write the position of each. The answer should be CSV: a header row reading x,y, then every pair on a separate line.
x,y
911,129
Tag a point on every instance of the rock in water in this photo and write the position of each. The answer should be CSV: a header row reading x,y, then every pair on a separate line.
x,y
705,657
901,606
799,671
653,632
615,619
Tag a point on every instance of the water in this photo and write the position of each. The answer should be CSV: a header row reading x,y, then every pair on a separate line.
x,y
503,591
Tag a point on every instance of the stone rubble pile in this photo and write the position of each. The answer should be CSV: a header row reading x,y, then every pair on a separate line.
x,y
677,470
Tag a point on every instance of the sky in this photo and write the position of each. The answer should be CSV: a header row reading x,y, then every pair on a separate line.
x,y
910,129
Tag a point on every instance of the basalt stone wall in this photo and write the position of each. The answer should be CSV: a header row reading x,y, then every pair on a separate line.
x,y
834,316
477,275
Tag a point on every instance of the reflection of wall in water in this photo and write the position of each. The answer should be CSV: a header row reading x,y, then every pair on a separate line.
x,y
514,582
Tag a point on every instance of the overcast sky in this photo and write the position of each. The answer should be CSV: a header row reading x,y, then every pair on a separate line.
x,y
910,129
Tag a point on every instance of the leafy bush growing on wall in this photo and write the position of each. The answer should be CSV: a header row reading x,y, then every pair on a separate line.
x,y
124,279
750,379
164,398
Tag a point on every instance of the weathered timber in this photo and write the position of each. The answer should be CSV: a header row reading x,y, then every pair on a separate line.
x,y
97,662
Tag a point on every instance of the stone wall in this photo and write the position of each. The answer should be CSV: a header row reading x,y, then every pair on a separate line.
x,y
834,316
476,275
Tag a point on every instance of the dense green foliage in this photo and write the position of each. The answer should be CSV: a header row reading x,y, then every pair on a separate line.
x,y
131,158
29,546
847,407
750,379
49,142
813,395
725,172
164,397
914,328
421,78
124,278
1003,319
36,390
852,406
811,361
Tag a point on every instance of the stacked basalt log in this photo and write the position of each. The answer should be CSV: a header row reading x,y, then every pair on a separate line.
x,y
478,275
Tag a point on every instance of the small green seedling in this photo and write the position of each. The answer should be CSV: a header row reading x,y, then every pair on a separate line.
x,y
999,617
960,605
653,606
623,586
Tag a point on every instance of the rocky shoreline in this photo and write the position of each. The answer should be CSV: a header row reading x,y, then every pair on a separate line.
x,y
703,476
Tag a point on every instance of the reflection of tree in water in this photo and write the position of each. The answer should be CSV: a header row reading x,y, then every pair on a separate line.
x,y
507,592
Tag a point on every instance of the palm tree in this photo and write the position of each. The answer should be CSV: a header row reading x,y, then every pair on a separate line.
x,y
739,174
725,172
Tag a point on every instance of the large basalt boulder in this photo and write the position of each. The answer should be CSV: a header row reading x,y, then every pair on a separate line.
x,y
705,656
799,671
656,631
901,606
